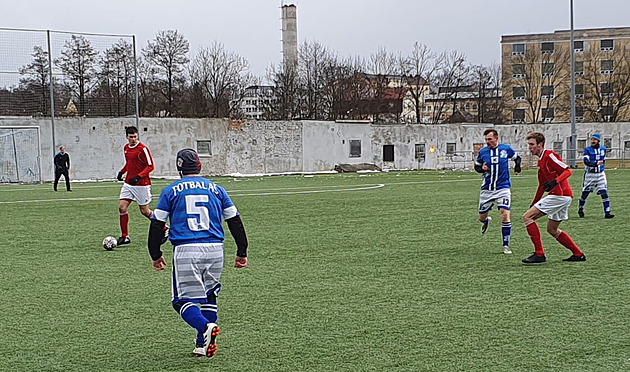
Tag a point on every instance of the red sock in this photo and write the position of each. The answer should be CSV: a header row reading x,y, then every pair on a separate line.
x,y
564,239
124,224
534,234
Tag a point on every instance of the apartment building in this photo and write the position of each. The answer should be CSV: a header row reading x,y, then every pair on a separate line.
x,y
536,76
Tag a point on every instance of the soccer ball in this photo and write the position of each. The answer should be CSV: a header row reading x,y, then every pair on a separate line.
x,y
109,243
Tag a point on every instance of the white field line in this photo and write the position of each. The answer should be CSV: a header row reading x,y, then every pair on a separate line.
x,y
338,189
280,191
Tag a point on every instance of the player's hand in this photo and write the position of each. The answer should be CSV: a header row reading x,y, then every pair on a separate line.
x,y
240,262
485,167
600,162
134,180
517,169
159,264
549,185
119,176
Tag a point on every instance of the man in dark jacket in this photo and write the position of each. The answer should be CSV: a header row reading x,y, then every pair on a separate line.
x,y
62,164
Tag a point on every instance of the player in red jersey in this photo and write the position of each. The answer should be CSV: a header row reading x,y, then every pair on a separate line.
x,y
552,178
137,186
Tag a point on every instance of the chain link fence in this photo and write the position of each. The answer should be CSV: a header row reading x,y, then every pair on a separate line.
x,y
47,73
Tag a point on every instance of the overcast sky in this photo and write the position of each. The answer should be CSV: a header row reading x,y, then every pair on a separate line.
x,y
251,28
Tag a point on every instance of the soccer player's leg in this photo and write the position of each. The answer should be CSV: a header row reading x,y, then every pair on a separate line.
x,y
530,218
602,190
485,205
503,203
564,239
123,206
587,188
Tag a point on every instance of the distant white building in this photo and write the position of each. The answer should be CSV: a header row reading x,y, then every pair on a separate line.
x,y
256,101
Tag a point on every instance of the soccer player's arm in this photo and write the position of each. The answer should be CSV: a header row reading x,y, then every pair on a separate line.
x,y
517,160
539,191
156,231
68,161
148,161
587,159
479,164
235,224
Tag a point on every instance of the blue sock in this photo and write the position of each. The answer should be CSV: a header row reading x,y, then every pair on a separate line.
x,y
506,229
192,315
606,205
209,311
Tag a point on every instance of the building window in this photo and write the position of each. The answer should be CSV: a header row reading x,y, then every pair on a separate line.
x,y
518,116
518,70
548,68
547,48
420,152
548,114
626,145
547,91
388,152
204,147
579,113
607,45
607,66
518,49
608,144
557,147
606,112
581,144
579,90
518,93
579,67
355,148
606,89
451,148
578,46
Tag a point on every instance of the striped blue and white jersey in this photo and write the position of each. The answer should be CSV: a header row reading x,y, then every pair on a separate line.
x,y
195,207
497,176
591,156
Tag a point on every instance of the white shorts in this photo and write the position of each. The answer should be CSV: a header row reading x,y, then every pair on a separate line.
x,y
555,207
595,182
487,198
139,194
196,270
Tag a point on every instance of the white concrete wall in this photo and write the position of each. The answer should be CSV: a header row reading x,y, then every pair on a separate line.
x,y
95,144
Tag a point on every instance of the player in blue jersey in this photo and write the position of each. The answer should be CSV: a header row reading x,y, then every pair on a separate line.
x,y
493,162
195,207
594,176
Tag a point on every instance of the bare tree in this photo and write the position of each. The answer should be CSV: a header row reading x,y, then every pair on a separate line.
x,y
286,93
223,76
451,76
539,73
118,70
168,55
315,65
78,63
606,84
419,68
37,77
384,66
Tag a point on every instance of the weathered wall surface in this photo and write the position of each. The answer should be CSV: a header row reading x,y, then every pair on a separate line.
x,y
95,144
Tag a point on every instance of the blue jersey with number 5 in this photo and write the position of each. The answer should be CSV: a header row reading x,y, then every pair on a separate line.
x,y
196,207
497,176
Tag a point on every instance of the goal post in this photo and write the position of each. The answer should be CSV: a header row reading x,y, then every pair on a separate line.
x,y
20,154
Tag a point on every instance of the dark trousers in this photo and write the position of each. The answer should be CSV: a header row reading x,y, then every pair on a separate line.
x,y
58,174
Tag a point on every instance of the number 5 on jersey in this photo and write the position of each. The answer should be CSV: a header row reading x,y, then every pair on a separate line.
x,y
202,220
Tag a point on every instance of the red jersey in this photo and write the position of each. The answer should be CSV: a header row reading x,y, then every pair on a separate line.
x,y
138,162
551,167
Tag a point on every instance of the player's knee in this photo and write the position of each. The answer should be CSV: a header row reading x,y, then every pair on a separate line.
x,y
585,194
553,231
178,304
146,212
604,195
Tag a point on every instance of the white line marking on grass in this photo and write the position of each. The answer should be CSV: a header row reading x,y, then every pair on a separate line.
x,y
245,193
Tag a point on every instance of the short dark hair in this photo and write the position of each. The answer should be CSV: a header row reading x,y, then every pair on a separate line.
x,y
131,130
539,137
488,131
